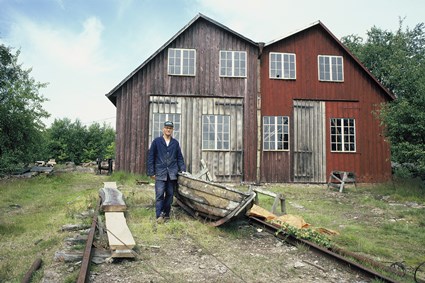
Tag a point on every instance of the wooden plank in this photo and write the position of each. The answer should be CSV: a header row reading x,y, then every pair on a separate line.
x,y
123,254
112,185
119,235
112,200
73,256
278,198
213,189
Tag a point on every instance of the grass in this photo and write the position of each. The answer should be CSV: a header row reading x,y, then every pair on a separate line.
x,y
32,211
372,220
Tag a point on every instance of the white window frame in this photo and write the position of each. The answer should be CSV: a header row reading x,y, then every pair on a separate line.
x,y
235,64
182,65
282,69
158,120
215,135
343,135
276,133
330,70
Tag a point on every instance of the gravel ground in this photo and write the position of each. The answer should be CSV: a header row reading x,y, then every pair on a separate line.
x,y
257,257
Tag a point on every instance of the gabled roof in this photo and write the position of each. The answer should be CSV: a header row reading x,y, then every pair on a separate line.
x,y
319,23
199,16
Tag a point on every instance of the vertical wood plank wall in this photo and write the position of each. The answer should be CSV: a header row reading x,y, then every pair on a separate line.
x,y
225,165
357,96
309,146
132,102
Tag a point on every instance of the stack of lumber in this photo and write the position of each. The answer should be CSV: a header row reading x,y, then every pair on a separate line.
x,y
121,241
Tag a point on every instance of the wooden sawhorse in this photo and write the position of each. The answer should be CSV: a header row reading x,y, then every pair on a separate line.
x,y
338,179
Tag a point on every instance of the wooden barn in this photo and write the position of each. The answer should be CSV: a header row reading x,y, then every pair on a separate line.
x,y
292,110
317,105
204,79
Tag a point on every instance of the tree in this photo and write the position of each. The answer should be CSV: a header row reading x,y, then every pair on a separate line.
x,y
21,113
397,59
72,141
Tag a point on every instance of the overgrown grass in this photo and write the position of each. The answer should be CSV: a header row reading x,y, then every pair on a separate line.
x,y
375,221
379,221
32,211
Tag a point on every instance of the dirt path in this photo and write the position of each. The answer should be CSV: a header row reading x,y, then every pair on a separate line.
x,y
261,257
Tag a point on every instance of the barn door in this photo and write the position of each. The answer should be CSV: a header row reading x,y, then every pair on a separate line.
x,y
208,129
309,142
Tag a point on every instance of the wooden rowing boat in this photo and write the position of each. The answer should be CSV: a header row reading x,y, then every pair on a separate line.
x,y
214,202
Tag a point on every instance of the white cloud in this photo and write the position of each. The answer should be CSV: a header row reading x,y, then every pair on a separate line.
x,y
63,48
122,7
74,64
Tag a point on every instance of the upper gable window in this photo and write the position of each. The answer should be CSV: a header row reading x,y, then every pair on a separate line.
x,y
181,62
282,66
331,68
232,63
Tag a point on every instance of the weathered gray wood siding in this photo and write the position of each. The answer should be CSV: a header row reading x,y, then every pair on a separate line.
x,y
225,165
309,141
132,98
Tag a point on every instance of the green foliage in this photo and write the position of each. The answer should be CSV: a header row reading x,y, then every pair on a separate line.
x,y
72,141
21,112
35,209
397,59
126,178
306,234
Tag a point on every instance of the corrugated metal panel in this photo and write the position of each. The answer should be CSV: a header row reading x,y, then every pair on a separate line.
x,y
309,146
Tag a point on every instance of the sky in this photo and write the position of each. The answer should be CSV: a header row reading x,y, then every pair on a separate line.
x,y
84,48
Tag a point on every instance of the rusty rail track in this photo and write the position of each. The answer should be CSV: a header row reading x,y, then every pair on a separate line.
x,y
85,264
337,255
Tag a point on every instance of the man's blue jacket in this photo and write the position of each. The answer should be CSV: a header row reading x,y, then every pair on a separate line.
x,y
165,160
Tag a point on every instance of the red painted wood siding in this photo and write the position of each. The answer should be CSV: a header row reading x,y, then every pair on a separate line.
x,y
358,96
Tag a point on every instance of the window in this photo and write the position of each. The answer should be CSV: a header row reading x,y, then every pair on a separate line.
x,y
343,135
181,62
215,132
282,66
331,68
275,133
232,63
158,124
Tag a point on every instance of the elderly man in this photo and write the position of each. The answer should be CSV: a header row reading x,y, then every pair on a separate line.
x,y
165,160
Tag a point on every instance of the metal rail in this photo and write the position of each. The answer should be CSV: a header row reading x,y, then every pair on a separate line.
x,y
352,264
85,264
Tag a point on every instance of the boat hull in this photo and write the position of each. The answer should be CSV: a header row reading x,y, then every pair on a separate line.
x,y
211,201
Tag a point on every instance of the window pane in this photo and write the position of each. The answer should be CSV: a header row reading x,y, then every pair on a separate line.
x,y
232,63
158,120
215,132
343,134
181,61
275,133
282,65
331,68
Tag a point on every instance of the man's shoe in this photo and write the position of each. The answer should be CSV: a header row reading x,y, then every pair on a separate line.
x,y
166,218
160,220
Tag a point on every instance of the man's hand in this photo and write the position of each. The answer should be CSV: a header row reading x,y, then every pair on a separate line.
x,y
153,177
